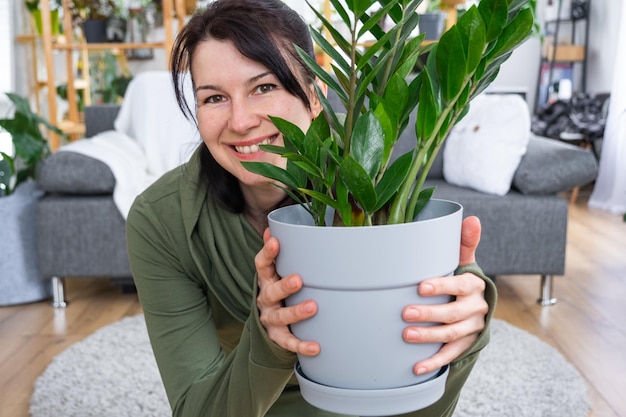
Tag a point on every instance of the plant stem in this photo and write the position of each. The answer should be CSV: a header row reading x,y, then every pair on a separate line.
x,y
352,91
403,206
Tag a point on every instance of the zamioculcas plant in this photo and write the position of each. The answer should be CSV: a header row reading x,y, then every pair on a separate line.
x,y
344,161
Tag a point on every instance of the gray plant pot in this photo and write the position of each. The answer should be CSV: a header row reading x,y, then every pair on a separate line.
x,y
20,280
432,24
361,279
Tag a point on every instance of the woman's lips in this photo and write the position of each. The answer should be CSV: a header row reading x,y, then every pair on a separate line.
x,y
250,149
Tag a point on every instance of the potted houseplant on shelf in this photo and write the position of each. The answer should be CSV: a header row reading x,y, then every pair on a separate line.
x,y
92,16
341,173
33,8
21,281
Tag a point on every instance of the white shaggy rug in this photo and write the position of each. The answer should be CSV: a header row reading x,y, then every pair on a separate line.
x,y
113,373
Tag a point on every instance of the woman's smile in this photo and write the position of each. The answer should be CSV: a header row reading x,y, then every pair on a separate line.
x,y
253,148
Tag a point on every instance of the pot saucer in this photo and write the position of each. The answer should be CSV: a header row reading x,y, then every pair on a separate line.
x,y
373,402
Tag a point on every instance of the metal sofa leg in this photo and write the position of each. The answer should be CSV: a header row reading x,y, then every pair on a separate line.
x,y
546,296
58,293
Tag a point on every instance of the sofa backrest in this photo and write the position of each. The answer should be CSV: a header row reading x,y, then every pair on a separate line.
x,y
100,118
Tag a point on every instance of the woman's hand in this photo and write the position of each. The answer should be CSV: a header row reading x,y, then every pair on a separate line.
x,y
462,320
275,317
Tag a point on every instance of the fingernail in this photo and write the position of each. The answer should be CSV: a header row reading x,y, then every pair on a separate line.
x,y
293,283
421,370
411,314
426,289
412,334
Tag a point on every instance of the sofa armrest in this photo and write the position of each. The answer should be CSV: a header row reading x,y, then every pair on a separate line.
x,y
550,166
99,118
68,172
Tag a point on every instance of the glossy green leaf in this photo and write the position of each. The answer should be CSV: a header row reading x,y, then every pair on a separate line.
x,y
336,57
513,34
396,97
272,172
427,111
368,143
472,29
389,130
451,63
374,20
341,11
392,179
423,199
494,14
359,183
360,6
292,134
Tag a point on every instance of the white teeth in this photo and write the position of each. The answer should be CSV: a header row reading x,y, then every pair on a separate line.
x,y
254,148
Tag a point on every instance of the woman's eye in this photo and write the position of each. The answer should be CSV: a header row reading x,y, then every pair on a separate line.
x,y
265,88
214,99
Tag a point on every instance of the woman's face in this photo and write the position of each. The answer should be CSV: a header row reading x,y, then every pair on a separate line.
x,y
235,96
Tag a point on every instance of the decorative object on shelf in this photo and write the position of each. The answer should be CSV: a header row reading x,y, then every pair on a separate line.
x,y
21,281
33,8
579,9
343,166
109,79
116,29
92,16
138,27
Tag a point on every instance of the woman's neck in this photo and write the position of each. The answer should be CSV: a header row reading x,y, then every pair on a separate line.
x,y
260,203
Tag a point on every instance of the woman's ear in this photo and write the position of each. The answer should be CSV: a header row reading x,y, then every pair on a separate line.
x,y
316,105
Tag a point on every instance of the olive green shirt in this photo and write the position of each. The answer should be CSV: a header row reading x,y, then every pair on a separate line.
x,y
193,265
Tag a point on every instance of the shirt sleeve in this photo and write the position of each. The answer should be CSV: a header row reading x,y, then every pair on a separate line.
x,y
199,377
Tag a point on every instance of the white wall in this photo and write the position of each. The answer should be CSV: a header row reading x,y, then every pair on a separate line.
x,y
6,47
604,29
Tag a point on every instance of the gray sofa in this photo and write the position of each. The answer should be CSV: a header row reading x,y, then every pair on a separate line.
x,y
81,232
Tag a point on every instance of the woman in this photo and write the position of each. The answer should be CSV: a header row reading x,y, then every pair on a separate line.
x,y
201,255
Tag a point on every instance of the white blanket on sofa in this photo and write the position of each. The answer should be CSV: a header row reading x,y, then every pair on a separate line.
x,y
151,137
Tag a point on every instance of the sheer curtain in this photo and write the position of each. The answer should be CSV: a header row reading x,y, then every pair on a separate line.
x,y
609,192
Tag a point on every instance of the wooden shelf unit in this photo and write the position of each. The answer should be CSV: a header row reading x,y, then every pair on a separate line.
x,y
50,43
565,50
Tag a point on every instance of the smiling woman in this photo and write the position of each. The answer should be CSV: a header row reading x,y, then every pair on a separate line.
x,y
201,256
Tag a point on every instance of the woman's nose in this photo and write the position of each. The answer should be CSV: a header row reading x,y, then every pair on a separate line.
x,y
243,116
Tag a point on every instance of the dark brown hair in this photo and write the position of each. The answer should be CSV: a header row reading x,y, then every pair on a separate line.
x,y
264,31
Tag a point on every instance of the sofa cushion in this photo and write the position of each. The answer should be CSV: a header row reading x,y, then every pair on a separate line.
x,y
484,149
551,166
87,176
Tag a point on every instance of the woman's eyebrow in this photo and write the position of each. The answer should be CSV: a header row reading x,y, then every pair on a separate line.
x,y
250,81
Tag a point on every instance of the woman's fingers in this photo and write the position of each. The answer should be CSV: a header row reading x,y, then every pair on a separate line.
x,y
470,237
446,355
274,315
445,333
264,260
461,320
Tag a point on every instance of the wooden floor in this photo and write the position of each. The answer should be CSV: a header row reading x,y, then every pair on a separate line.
x,y
587,325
